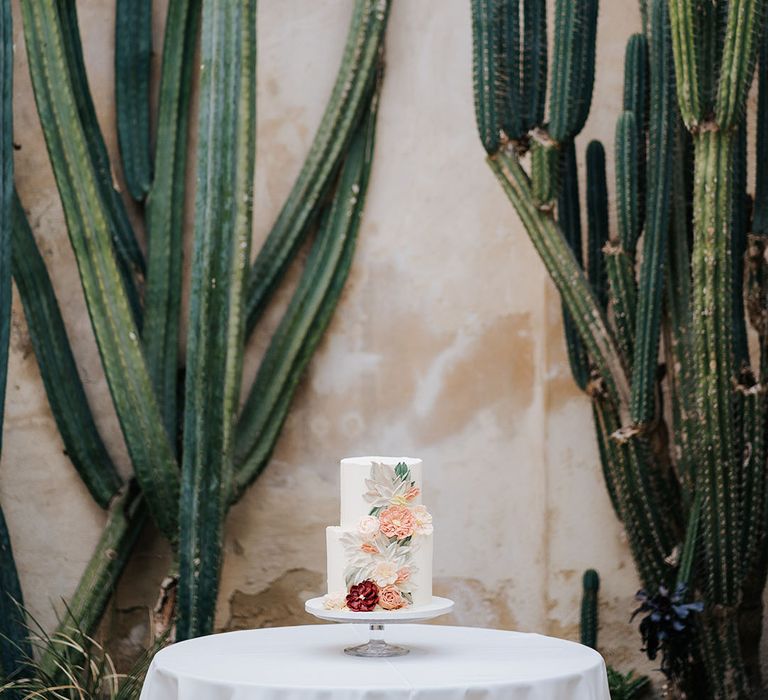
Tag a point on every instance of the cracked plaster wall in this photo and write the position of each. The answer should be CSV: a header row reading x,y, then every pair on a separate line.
x,y
447,345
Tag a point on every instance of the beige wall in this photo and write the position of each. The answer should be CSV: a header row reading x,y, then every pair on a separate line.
x,y
447,345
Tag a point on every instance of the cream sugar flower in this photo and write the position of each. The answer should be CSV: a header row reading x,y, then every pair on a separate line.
x,y
368,526
423,520
335,601
385,573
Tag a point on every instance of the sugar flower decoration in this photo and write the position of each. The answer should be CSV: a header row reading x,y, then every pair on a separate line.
x,y
368,526
403,575
391,599
335,601
423,520
385,573
384,486
363,597
397,521
412,493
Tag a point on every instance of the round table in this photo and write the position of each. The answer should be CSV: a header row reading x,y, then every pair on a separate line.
x,y
308,663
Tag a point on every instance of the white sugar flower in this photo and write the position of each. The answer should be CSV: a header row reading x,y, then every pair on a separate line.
x,y
368,526
384,486
423,520
385,573
335,601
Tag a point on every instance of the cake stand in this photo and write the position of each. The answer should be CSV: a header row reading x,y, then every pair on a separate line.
x,y
376,647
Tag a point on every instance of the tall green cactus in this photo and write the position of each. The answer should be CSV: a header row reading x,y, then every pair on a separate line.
x,y
589,608
15,646
223,213
690,511
191,461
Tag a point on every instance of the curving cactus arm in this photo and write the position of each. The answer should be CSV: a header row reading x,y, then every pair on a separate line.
x,y
57,365
129,256
569,213
567,276
133,57
309,312
165,207
355,77
88,223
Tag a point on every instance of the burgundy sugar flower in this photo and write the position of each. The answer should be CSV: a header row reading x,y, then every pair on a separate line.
x,y
363,597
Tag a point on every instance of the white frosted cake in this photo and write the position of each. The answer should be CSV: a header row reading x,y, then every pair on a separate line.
x,y
380,557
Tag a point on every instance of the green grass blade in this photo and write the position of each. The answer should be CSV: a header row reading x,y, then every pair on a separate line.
x,y
89,231
58,367
133,57
165,207
223,210
358,68
308,313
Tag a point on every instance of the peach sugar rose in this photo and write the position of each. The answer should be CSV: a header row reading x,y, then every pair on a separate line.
x,y
390,598
397,521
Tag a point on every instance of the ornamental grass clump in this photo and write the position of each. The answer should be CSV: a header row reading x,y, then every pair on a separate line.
x,y
655,309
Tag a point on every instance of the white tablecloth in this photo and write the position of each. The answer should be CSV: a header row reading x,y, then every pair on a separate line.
x,y
307,663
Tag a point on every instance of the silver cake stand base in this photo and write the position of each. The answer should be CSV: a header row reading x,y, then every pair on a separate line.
x,y
376,647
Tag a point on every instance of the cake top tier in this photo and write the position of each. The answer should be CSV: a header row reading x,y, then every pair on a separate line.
x,y
364,479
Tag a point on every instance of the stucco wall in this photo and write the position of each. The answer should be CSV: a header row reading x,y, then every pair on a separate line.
x,y
447,345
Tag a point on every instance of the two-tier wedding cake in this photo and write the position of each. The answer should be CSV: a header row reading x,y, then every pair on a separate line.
x,y
380,557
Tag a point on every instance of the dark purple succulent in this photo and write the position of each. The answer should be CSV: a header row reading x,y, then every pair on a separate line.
x,y
668,627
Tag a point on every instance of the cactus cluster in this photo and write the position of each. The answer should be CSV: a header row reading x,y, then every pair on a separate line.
x,y
193,452
656,310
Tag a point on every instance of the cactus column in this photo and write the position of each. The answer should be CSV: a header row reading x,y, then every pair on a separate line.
x,y
694,514
137,334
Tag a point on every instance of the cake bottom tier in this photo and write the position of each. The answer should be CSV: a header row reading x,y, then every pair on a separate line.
x,y
421,578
